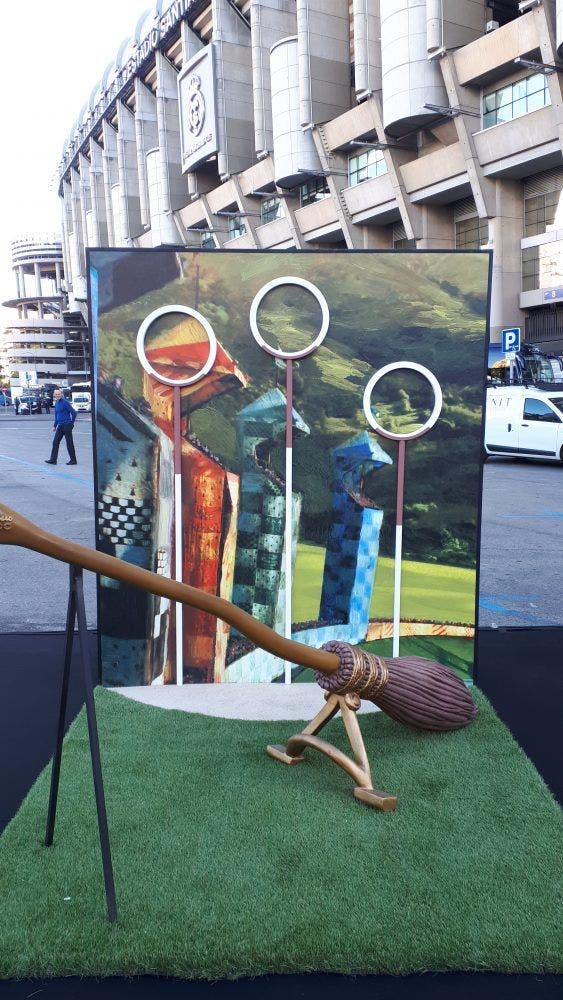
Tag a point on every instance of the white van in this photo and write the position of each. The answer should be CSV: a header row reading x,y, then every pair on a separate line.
x,y
525,422
81,401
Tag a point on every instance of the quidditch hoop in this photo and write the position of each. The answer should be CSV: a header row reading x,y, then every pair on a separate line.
x,y
279,283
399,366
186,311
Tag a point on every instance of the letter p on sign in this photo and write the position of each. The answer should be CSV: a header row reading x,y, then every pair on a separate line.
x,y
511,340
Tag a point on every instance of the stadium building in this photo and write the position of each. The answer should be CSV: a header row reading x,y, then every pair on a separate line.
x,y
332,123
44,342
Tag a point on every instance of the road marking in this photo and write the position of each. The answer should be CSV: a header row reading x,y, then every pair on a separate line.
x,y
50,472
539,517
518,597
490,604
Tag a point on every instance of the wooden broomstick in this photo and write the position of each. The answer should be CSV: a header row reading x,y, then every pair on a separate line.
x,y
415,691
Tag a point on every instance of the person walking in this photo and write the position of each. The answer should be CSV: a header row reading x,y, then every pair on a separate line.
x,y
17,405
65,415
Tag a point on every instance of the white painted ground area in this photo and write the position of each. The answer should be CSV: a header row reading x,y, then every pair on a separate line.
x,y
237,701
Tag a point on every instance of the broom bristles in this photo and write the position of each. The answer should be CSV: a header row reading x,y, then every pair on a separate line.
x,y
426,694
415,691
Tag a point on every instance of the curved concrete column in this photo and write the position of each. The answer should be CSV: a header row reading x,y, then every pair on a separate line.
x,y
98,229
323,41
409,79
270,21
449,26
128,172
434,26
117,215
66,227
163,229
78,256
110,176
233,89
367,49
294,149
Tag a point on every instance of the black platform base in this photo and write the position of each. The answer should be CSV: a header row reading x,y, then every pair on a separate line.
x,y
31,669
430,986
521,672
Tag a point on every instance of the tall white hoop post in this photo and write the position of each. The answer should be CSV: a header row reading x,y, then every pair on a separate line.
x,y
289,357
177,384
401,455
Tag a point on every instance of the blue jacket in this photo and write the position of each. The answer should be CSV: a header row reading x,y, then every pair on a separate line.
x,y
64,413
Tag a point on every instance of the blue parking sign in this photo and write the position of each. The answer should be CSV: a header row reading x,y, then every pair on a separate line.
x,y
511,339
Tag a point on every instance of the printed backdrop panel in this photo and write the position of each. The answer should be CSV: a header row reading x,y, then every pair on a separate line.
x,y
383,307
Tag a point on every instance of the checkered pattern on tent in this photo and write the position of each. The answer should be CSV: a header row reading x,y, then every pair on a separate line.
x,y
125,520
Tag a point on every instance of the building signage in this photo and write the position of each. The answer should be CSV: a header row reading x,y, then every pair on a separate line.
x,y
198,120
554,293
176,11
511,339
163,26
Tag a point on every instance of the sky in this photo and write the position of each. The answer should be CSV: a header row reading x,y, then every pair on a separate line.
x,y
52,57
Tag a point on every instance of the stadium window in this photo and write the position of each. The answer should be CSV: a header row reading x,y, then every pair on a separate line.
x,y
236,227
314,190
207,239
515,99
540,211
471,234
530,268
366,165
270,209
542,266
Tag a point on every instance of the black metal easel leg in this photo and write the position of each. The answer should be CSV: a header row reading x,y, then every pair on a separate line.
x,y
95,748
56,769
77,610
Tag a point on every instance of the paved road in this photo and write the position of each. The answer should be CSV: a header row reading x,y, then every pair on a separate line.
x,y
60,499
521,552
522,543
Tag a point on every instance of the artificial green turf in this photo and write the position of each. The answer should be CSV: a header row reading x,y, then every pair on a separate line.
x,y
429,591
227,863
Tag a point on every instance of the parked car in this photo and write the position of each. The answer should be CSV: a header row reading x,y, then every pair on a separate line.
x,y
524,422
30,404
48,390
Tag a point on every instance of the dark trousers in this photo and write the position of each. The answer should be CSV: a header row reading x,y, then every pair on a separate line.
x,y
60,433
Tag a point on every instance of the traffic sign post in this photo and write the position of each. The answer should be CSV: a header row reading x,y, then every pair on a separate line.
x,y
510,345
510,339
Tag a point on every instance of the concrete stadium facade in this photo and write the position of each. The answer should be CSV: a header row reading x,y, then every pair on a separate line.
x,y
432,124
43,342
